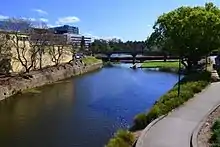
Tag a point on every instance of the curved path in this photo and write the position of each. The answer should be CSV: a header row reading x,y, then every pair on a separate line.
x,y
175,129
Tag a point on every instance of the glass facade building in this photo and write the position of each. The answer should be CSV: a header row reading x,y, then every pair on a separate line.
x,y
66,29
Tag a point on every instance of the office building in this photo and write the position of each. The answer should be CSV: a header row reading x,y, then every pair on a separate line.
x,y
72,35
76,39
66,29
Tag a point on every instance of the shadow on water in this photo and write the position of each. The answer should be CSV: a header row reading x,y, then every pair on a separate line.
x,y
83,111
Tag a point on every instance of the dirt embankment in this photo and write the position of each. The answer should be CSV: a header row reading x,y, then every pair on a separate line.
x,y
13,85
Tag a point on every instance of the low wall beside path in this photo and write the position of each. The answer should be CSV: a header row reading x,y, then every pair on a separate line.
x,y
13,85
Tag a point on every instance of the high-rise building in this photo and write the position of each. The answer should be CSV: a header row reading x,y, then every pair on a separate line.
x,y
72,35
66,29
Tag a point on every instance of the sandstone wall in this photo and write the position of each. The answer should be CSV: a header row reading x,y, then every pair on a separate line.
x,y
46,58
11,86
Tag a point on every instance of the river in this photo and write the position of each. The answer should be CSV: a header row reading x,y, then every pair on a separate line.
x,y
83,111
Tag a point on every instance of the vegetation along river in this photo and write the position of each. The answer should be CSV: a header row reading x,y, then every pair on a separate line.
x,y
83,111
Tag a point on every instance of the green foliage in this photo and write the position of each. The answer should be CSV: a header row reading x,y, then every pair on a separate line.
x,y
90,60
161,64
215,136
189,32
108,64
196,76
140,121
32,91
103,46
190,84
122,138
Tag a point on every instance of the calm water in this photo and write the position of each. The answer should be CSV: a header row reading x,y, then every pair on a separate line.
x,y
81,112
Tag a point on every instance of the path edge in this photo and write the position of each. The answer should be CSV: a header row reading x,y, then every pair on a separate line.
x,y
144,132
194,134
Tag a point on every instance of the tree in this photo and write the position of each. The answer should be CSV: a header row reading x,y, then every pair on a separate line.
x,y
39,39
57,48
190,32
116,45
25,51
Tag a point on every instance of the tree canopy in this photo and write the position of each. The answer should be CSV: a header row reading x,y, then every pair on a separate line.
x,y
190,32
104,46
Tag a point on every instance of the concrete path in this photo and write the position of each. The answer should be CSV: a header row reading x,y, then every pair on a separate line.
x,y
175,129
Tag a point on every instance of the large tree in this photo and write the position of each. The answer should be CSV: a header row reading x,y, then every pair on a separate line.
x,y
26,51
190,32
39,37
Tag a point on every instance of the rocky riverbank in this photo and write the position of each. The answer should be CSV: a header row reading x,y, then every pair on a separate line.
x,y
16,84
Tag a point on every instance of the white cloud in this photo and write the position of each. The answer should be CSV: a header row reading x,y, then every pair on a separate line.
x,y
149,25
51,26
28,19
43,19
32,19
39,11
2,17
67,20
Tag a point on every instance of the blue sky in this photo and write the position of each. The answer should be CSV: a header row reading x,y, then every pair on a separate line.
x,y
125,19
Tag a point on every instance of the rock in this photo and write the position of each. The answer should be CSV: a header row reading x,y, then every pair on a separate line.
x,y
206,124
215,76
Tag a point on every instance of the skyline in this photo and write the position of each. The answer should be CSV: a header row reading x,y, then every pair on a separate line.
x,y
126,20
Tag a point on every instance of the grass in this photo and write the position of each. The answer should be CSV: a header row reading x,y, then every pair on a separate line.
x,y
90,60
122,138
160,64
32,90
215,135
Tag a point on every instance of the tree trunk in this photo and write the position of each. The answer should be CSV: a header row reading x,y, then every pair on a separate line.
x,y
109,56
206,63
190,64
165,58
134,57
40,61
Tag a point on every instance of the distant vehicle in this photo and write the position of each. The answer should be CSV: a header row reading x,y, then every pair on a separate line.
x,y
79,55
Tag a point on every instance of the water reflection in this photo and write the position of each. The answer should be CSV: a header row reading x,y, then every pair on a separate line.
x,y
83,111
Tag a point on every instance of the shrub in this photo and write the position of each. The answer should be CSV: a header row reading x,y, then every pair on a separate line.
x,y
142,120
215,136
122,138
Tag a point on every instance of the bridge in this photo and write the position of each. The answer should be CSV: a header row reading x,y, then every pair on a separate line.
x,y
136,59
132,53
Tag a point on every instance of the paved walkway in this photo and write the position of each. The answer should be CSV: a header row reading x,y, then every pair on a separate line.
x,y
175,129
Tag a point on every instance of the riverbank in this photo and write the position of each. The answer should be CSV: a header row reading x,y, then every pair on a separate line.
x,y
13,85
190,85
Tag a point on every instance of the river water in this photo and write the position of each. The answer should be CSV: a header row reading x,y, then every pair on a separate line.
x,y
84,111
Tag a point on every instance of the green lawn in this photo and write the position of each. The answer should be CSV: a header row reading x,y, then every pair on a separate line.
x,y
160,64
90,60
